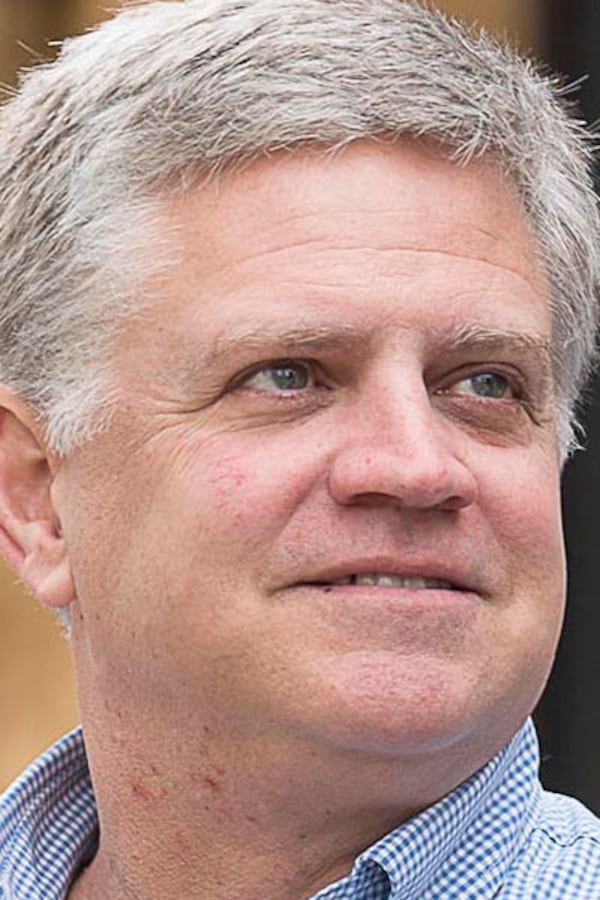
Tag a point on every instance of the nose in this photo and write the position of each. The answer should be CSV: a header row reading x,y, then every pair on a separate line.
x,y
408,459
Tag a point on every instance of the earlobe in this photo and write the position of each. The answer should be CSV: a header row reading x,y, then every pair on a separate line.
x,y
30,534
47,574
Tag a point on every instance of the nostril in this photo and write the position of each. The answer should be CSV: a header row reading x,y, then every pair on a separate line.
x,y
456,502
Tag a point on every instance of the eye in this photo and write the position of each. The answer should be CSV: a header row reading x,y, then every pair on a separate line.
x,y
284,376
486,385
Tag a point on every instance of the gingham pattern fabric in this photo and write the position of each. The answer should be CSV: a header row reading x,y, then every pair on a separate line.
x,y
48,824
499,835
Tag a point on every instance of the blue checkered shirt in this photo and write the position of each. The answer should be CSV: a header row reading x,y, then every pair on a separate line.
x,y
498,835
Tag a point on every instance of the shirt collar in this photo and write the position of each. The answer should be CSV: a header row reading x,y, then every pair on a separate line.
x,y
48,824
470,837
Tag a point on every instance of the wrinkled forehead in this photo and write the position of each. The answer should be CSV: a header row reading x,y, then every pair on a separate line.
x,y
301,222
390,190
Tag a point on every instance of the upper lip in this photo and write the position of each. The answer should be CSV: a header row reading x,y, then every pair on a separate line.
x,y
437,569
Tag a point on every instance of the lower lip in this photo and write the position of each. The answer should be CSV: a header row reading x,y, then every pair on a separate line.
x,y
424,598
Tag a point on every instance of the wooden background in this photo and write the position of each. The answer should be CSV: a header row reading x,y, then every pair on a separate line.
x,y
37,694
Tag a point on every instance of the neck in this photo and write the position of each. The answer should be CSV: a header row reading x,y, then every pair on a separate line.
x,y
263,819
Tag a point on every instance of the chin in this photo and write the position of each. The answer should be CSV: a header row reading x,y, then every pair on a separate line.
x,y
418,706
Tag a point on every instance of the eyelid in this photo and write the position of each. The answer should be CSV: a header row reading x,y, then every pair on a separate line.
x,y
508,385
517,381
243,377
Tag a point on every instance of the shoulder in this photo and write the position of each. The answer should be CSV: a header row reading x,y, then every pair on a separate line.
x,y
560,856
565,820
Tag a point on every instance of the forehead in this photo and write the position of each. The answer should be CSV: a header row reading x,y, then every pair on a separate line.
x,y
402,194
307,240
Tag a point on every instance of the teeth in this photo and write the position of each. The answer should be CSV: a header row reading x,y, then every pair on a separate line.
x,y
383,579
373,579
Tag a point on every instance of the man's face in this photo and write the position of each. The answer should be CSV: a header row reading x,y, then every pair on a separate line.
x,y
328,506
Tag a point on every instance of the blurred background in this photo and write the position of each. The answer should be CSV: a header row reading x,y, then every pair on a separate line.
x,y
37,696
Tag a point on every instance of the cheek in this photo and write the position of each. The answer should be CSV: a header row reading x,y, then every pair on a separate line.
x,y
519,498
526,516
246,495
519,507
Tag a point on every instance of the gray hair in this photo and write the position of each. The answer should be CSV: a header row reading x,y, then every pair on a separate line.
x,y
167,90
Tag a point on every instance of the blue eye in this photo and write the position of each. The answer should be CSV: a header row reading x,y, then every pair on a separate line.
x,y
284,376
488,385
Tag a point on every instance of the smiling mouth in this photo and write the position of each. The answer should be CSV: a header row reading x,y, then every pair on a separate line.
x,y
373,579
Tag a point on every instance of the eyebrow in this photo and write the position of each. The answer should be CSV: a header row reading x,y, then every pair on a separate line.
x,y
474,338
302,338
467,337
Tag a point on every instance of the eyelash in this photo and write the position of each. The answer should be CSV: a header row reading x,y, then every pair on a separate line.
x,y
516,383
312,368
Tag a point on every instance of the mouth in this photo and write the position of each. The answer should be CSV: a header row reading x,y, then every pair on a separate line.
x,y
386,575
387,579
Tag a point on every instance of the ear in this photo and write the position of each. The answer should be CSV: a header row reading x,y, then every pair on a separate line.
x,y
30,533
